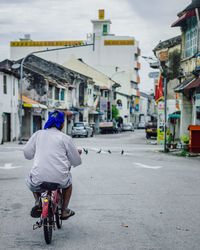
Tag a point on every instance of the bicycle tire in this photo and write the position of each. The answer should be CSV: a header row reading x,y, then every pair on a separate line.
x,y
47,225
58,220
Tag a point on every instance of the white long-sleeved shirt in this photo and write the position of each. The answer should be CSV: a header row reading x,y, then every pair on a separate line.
x,y
54,153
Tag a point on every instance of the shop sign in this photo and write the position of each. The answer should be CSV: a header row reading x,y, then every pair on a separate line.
x,y
119,103
45,43
37,111
197,62
154,75
197,100
103,104
119,42
163,56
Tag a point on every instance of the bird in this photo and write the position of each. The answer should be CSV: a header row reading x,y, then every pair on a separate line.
x,y
85,150
109,151
98,152
122,152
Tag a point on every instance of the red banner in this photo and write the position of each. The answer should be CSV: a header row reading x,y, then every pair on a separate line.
x,y
159,90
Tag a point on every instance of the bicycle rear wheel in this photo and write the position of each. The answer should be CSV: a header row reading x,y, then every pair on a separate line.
x,y
48,226
58,220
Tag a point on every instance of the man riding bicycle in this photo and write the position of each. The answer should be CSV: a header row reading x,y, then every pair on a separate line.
x,y
54,153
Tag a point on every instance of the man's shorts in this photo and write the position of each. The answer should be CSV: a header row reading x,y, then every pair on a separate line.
x,y
36,188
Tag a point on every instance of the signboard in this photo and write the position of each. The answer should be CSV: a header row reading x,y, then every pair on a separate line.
x,y
119,42
163,56
197,100
161,121
103,104
45,43
101,14
197,62
154,74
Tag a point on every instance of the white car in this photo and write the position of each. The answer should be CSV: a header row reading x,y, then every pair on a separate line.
x,y
127,126
82,129
141,125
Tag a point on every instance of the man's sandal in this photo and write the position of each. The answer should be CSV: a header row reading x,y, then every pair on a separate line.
x,y
36,211
66,214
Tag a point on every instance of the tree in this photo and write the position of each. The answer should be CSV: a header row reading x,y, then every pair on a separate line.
x,y
115,112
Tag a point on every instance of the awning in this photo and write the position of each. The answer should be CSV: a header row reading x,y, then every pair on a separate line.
x,y
182,19
104,88
79,108
29,103
184,84
60,86
194,84
67,113
93,112
178,116
74,112
100,112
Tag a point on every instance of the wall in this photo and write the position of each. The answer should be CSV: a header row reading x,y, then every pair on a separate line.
x,y
9,104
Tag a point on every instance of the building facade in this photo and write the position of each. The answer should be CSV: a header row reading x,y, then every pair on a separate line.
x,y
9,121
115,56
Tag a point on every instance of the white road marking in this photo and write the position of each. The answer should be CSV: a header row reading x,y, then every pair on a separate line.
x,y
9,166
146,166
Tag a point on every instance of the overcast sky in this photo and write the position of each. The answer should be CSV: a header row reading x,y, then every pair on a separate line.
x,y
148,21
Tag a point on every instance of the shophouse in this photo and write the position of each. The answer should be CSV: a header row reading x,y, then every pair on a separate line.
x,y
9,125
147,107
168,54
189,87
48,86
116,56
100,95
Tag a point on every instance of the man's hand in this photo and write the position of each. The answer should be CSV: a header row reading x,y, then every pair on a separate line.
x,y
80,151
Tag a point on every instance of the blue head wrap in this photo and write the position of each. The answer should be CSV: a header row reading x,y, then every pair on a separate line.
x,y
55,118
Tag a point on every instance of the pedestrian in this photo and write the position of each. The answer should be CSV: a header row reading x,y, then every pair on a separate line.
x,y
54,153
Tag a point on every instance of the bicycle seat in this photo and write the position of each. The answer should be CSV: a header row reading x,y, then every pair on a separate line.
x,y
49,186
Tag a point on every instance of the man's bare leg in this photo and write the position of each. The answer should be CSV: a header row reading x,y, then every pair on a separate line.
x,y
37,198
66,194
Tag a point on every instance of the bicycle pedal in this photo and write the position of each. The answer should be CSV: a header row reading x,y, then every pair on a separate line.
x,y
37,225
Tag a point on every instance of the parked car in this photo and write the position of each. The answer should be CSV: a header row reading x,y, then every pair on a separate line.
x,y
151,129
82,129
128,126
141,125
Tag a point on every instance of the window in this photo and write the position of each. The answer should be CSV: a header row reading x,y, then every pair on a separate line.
x,y
115,96
106,94
13,87
57,91
89,91
50,92
4,84
191,37
105,28
62,95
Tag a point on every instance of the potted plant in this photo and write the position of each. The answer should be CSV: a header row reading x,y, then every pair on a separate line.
x,y
185,142
169,141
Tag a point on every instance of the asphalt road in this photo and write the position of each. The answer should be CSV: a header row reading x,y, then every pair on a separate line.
x,y
141,199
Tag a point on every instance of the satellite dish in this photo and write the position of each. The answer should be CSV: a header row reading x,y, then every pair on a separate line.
x,y
16,66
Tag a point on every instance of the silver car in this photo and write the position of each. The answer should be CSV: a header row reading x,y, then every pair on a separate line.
x,y
82,129
127,126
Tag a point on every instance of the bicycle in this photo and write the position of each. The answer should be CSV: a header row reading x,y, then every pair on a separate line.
x,y
51,200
